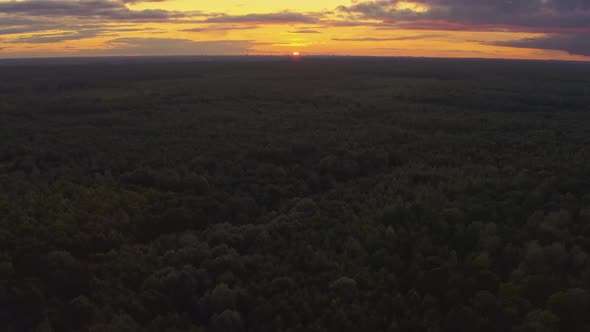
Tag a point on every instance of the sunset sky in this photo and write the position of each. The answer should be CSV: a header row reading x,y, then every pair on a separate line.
x,y
523,29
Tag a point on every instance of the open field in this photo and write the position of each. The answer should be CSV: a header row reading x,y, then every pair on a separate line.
x,y
326,194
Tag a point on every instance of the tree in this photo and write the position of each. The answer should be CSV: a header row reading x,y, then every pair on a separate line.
x,y
227,321
463,319
345,288
541,321
222,298
572,307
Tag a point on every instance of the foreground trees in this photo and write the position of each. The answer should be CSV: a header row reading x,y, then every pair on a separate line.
x,y
180,201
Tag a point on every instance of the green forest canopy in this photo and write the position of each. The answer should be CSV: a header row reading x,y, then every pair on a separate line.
x,y
320,195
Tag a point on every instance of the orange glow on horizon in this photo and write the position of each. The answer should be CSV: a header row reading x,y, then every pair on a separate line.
x,y
259,27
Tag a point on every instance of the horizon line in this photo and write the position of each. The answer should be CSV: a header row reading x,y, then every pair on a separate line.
x,y
277,56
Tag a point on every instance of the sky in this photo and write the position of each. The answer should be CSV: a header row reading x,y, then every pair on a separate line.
x,y
518,29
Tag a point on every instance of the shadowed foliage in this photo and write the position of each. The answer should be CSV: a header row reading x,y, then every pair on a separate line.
x,y
315,195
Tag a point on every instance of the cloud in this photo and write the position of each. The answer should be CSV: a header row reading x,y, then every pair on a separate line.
x,y
27,29
105,9
370,39
155,47
55,38
166,46
139,1
575,44
82,33
566,23
221,28
304,31
274,18
10,21
516,15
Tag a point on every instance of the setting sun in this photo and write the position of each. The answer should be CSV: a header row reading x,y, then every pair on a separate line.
x,y
296,53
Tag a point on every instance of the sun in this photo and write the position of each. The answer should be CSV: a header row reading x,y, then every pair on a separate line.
x,y
296,56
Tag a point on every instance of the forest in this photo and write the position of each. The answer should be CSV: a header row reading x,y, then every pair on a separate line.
x,y
317,194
